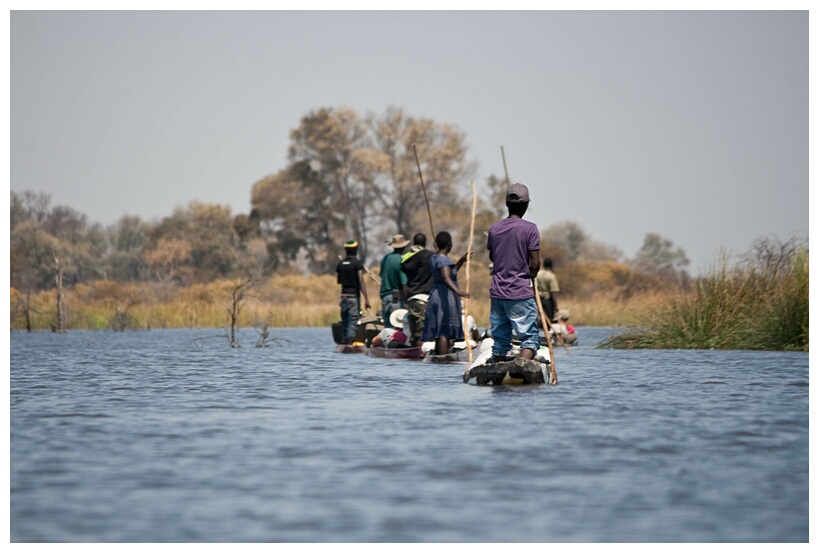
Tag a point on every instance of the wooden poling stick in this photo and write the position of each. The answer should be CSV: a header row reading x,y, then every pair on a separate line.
x,y
373,275
504,166
424,188
468,255
546,326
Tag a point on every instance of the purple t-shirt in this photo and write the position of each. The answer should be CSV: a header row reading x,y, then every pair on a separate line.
x,y
510,241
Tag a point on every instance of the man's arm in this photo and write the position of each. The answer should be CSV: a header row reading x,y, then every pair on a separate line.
x,y
534,263
363,286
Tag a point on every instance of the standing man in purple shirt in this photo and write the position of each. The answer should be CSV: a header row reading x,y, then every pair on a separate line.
x,y
514,248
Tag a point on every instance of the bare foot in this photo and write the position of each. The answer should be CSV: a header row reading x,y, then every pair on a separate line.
x,y
527,354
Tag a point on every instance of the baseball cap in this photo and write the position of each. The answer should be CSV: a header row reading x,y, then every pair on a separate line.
x,y
517,193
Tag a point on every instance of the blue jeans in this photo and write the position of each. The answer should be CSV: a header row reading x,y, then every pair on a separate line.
x,y
350,310
519,316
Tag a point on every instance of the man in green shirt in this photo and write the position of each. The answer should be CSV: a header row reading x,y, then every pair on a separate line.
x,y
393,278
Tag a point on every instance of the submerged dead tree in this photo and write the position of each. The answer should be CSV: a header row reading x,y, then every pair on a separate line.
x,y
60,317
122,320
23,308
262,327
239,294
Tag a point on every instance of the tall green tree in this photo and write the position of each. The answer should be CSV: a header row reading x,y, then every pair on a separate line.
x,y
209,230
40,232
659,257
319,200
126,240
569,241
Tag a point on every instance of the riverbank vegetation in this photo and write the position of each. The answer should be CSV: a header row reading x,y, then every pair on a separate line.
x,y
349,176
760,304
278,301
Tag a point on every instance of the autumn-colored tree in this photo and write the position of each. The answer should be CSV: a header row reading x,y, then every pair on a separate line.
x,y
254,259
445,170
167,261
209,229
353,179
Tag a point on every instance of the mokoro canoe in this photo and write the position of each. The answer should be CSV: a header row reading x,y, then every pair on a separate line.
x,y
351,348
396,353
460,356
516,372
367,329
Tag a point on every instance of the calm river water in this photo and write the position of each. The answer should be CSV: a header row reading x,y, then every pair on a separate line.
x,y
172,436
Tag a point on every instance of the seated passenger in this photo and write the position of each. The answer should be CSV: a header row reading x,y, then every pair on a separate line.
x,y
563,328
397,334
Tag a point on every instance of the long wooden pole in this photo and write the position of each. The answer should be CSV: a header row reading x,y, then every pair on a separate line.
x,y
546,326
424,188
504,166
468,255
547,329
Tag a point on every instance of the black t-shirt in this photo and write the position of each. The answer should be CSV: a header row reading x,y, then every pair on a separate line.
x,y
419,273
347,275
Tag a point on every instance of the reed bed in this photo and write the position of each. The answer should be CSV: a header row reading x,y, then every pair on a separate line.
x,y
281,301
759,306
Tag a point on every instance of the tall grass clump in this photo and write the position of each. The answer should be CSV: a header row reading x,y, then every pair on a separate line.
x,y
761,304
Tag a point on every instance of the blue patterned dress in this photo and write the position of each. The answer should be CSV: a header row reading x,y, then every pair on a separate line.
x,y
443,316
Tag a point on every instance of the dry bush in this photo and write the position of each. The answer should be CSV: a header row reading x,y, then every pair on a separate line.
x,y
605,309
199,294
306,301
588,280
285,289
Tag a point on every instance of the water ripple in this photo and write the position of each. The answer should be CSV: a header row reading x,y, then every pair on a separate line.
x,y
171,436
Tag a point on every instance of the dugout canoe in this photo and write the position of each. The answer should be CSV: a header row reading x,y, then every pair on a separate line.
x,y
459,356
396,353
516,372
351,348
366,330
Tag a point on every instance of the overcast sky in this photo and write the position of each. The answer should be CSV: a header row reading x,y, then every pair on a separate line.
x,y
692,125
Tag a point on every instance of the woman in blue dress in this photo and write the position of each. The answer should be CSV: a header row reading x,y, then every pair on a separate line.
x,y
442,322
